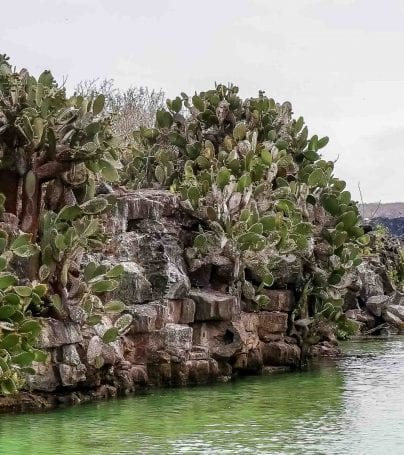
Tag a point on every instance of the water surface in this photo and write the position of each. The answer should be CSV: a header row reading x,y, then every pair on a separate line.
x,y
352,406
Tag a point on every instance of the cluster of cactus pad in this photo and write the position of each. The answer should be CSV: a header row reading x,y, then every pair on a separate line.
x,y
50,140
257,181
54,150
246,168
19,329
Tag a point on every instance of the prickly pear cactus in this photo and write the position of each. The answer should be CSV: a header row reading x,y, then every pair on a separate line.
x,y
64,146
46,136
256,178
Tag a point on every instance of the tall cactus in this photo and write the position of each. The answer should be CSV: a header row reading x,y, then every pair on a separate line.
x,y
258,181
46,136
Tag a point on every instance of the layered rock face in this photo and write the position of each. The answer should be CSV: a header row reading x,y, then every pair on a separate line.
x,y
373,299
187,328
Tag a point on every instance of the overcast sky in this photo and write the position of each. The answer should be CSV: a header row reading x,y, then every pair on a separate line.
x,y
340,62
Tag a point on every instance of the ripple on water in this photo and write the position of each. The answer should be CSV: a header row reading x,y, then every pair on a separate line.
x,y
352,406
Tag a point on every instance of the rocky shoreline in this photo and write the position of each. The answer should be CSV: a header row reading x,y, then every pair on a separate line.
x,y
187,328
373,299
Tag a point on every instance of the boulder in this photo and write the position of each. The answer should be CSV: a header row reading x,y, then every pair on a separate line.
x,y
372,284
178,284
138,205
141,348
144,318
272,322
212,305
139,374
98,351
250,321
71,375
376,304
134,287
199,353
178,339
223,339
362,316
198,371
159,257
397,298
323,349
279,300
45,379
58,333
162,316
181,311
396,310
70,355
393,319
280,353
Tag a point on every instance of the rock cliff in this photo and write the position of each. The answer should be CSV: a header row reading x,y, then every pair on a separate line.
x,y
187,328
375,297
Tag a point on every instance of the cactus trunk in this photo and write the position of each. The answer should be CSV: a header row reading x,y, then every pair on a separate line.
x,y
31,204
9,183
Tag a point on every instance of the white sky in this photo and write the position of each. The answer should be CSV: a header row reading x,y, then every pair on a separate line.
x,y
340,62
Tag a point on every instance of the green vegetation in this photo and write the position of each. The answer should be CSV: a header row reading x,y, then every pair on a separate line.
x,y
248,169
393,263
257,180
54,149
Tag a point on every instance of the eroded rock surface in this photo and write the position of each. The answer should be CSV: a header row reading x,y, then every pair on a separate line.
x,y
187,327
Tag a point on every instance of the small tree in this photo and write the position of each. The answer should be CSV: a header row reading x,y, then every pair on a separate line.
x,y
45,136
62,145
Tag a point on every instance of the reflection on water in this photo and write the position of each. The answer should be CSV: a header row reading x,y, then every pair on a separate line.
x,y
353,406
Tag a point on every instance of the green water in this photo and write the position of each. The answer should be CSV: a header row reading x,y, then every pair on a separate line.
x,y
352,406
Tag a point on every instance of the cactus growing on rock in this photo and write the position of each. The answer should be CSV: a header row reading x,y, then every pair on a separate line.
x,y
46,137
53,150
262,190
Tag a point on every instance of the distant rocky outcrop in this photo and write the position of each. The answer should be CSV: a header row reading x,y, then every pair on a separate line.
x,y
394,225
375,297
390,215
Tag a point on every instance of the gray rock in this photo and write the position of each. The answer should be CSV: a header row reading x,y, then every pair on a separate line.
x,y
110,353
45,379
178,284
396,310
160,257
71,375
213,305
162,316
134,286
362,316
70,355
271,322
223,339
141,204
199,353
178,336
181,311
377,304
372,284
397,298
393,319
279,300
144,318
58,333
280,353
